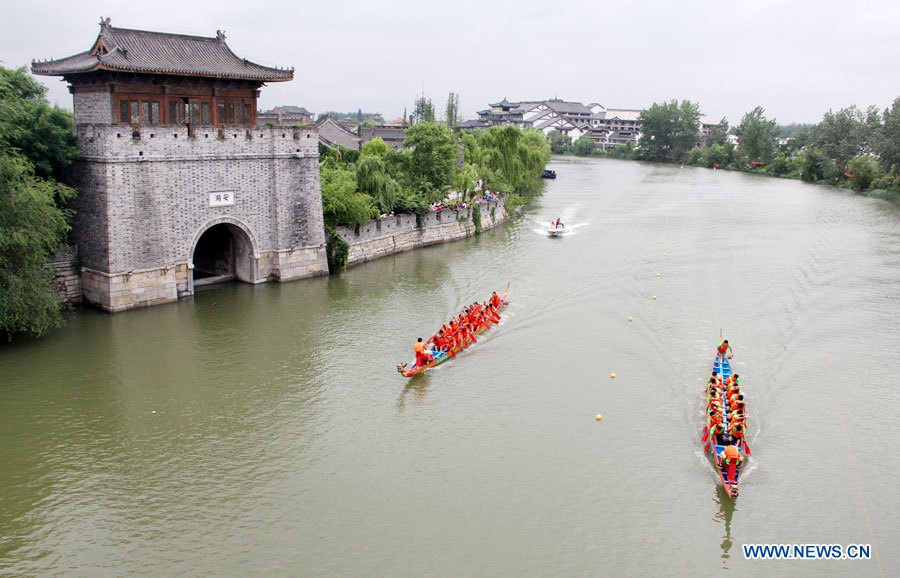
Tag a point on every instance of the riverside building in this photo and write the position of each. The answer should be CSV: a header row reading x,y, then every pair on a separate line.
x,y
177,185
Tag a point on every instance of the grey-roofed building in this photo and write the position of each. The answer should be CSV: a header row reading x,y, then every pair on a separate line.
x,y
334,133
393,136
285,115
177,186
474,124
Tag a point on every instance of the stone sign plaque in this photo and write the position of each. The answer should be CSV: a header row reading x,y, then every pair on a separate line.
x,y
221,198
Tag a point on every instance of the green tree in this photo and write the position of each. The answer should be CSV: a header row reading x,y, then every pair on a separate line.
x,y
797,141
375,147
465,180
756,135
843,135
32,228
793,129
27,123
511,159
451,113
560,142
864,170
472,153
35,143
342,204
431,160
583,147
889,143
373,180
816,165
717,155
718,133
624,151
669,130
423,111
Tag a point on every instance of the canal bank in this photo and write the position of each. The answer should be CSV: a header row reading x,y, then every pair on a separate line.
x,y
397,233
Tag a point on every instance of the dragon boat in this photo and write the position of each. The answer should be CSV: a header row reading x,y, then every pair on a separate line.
x,y
443,356
715,445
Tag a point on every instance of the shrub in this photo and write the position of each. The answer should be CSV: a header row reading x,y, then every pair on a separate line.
x,y
864,170
337,251
816,166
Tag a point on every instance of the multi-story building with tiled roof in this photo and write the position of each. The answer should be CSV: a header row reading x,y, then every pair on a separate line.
x,y
285,115
177,185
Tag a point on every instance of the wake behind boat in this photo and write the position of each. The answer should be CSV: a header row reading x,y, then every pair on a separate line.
x,y
555,231
723,436
457,335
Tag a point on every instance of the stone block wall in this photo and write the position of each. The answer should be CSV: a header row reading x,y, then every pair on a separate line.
x,y
394,234
93,105
119,292
67,282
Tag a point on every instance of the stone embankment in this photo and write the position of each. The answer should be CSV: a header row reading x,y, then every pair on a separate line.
x,y
67,278
393,234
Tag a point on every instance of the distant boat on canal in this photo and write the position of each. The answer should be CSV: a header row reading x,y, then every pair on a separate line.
x,y
548,174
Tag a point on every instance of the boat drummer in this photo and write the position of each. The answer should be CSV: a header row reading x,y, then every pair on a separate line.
x,y
723,349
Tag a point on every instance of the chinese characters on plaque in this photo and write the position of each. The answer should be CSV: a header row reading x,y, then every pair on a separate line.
x,y
221,198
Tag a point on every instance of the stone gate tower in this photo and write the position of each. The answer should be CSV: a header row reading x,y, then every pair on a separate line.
x,y
177,185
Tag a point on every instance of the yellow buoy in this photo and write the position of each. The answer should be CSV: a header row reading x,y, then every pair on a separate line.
x,y
665,254
612,375
599,417
630,319
654,297
657,274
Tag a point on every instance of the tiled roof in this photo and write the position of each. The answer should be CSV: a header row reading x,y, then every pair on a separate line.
x,y
386,132
564,107
474,124
504,102
330,120
291,110
549,122
126,50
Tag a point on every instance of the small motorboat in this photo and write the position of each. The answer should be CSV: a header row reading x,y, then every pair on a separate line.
x,y
548,174
555,231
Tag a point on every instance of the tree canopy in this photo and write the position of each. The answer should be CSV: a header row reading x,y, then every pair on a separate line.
x,y
342,204
843,135
560,142
756,135
669,130
431,159
35,144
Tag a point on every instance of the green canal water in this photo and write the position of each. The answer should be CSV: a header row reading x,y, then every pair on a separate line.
x,y
263,430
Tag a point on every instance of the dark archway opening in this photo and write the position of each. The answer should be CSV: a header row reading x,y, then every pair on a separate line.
x,y
223,253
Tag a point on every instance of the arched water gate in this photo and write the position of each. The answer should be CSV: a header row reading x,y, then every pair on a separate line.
x,y
223,250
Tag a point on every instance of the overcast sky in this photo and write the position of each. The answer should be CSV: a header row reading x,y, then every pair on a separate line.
x,y
795,59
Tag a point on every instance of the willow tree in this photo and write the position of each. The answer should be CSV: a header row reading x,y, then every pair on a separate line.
x,y
372,179
342,203
511,159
